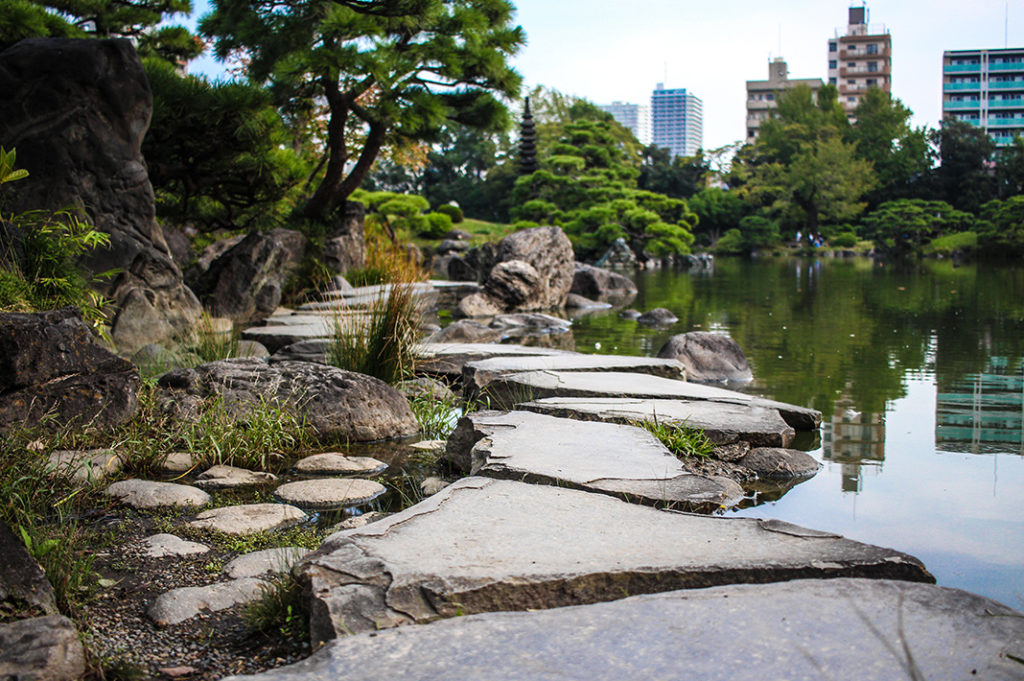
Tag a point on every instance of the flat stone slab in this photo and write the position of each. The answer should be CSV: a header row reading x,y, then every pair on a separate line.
x,y
447,359
164,545
510,389
335,463
149,494
94,465
601,457
248,518
232,477
329,493
268,561
179,605
434,446
365,296
484,545
804,630
476,375
722,422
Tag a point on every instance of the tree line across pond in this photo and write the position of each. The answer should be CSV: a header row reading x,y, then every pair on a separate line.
x,y
410,97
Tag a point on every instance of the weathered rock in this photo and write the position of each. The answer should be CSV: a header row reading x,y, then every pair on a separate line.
x,y
41,649
708,357
50,366
268,561
153,359
179,605
478,305
148,494
512,284
723,423
600,284
548,251
447,359
250,348
478,546
432,485
466,331
345,247
245,283
508,389
230,477
329,493
76,111
333,463
84,467
23,584
775,463
276,337
434,446
601,457
426,388
577,302
526,323
630,314
619,254
476,375
248,518
803,630
659,316
333,402
177,462
452,246
359,521
364,297
164,545
310,350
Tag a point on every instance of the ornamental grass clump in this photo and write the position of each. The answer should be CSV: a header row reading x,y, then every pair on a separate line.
x,y
682,440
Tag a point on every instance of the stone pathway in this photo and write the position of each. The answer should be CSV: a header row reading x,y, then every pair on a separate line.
x,y
248,518
148,494
232,477
329,493
335,463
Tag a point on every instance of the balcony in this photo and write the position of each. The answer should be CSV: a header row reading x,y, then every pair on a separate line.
x,y
1015,103
845,71
1017,122
962,68
972,104
1006,85
1007,66
1003,139
852,89
955,87
863,54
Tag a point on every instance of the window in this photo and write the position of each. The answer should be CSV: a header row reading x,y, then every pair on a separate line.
x,y
872,49
832,81
851,48
872,82
832,63
770,98
851,81
832,47
872,66
851,99
851,64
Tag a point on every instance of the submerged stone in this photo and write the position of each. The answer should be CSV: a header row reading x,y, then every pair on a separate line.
x,y
484,545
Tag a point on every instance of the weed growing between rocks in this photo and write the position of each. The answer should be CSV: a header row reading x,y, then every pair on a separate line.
x,y
209,343
281,609
683,441
437,417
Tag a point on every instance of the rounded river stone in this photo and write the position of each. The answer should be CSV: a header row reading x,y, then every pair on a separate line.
x,y
147,494
329,493
333,463
248,518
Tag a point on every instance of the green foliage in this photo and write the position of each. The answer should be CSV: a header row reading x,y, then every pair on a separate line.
x,y
386,71
218,153
401,215
83,18
1010,169
717,210
1001,227
280,609
949,244
963,179
20,19
900,228
380,344
844,240
452,211
679,177
901,156
731,243
437,417
682,440
438,224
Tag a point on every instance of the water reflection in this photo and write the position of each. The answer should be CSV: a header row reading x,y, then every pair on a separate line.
x,y
982,413
854,439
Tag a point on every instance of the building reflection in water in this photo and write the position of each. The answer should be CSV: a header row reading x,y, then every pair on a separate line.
x,y
855,440
982,413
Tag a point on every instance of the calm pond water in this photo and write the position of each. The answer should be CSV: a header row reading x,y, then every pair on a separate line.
x,y
918,373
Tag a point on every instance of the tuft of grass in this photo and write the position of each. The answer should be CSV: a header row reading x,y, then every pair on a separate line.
x,y
682,440
382,344
280,610
437,417
209,344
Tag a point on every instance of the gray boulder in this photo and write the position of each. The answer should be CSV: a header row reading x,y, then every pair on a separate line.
x,y
659,316
22,581
598,283
50,365
41,649
77,110
776,463
466,331
708,357
245,283
334,403
345,247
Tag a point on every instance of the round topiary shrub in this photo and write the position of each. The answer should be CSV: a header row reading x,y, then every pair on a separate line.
x,y
437,225
452,211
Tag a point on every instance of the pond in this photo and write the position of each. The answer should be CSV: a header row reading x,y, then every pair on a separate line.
x,y
918,373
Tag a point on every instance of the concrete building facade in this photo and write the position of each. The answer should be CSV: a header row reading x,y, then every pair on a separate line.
x,y
677,120
985,88
636,117
762,94
859,60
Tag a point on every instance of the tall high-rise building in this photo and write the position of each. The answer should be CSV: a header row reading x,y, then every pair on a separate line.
x,y
636,117
677,121
860,60
985,88
761,94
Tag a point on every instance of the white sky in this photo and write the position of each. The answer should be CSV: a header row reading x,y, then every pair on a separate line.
x,y
618,50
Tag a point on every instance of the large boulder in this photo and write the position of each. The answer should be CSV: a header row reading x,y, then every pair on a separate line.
x,y
533,270
598,283
41,649
345,247
246,281
51,367
23,584
708,357
336,404
76,111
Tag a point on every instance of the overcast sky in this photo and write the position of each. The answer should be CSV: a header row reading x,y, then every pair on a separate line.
x,y
616,50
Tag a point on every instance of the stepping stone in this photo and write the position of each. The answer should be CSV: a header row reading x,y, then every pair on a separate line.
x,y
334,463
602,457
435,446
504,391
163,545
476,375
248,518
447,359
840,629
83,467
329,493
179,605
230,477
723,423
268,561
148,494
177,462
486,545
